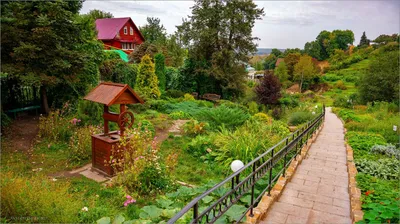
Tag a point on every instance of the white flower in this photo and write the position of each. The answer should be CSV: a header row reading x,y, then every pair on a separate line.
x,y
316,106
85,209
313,112
54,179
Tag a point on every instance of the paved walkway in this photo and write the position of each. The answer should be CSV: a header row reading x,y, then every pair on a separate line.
x,y
318,191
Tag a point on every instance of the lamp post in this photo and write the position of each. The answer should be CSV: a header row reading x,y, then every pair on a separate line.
x,y
235,166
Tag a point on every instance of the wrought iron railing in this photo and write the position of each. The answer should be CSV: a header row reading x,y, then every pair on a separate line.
x,y
269,165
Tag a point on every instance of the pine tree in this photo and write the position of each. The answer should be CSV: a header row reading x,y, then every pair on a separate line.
x,y
364,42
147,81
159,60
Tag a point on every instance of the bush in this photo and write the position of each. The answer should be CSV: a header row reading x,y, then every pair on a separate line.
x,y
159,61
223,116
389,150
253,107
147,81
56,127
289,101
188,97
277,113
80,144
340,85
146,125
348,115
331,77
5,120
342,101
262,117
300,117
139,169
388,169
200,146
193,127
179,115
363,140
174,93
269,90
90,113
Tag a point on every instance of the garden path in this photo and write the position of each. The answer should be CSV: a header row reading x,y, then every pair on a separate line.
x,y
175,129
21,133
318,191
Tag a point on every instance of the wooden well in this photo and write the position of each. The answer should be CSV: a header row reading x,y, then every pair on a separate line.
x,y
108,94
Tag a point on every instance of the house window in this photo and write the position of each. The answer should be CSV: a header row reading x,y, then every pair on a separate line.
x,y
131,31
125,30
127,46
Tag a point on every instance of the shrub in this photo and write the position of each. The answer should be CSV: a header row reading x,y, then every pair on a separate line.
x,y
340,85
146,125
331,77
363,140
222,115
269,90
80,144
348,115
159,61
5,120
389,150
387,169
193,127
179,115
253,107
342,101
188,97
299,117
139,169
262,117
203,103
289,101
56,127
200,146
90,113
147,81
277,113
174,93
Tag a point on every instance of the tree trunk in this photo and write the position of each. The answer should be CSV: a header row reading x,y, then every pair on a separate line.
x,y
301,82
43,96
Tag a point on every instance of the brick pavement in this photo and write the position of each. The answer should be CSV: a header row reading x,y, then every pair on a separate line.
x,y
318,191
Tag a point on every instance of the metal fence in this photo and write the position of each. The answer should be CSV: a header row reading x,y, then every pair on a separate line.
x,y
264,169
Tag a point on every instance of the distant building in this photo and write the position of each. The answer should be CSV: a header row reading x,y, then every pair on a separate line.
x,y
120,33
250,72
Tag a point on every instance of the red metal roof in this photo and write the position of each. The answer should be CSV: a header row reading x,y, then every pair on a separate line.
x,y
108,28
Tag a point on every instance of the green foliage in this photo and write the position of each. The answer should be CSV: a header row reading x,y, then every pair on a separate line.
x,y
159,61
387,169
99,14
147,81
174,93
90,113
172,78
331,77
340,85
223,116
56,127
179,115
348,115
217,53
253,107
281,72
262,117
304,71
154,32
188,97
143,49
80,144
116,70
289,101
364,141
389,150
270,61
300,117
383,71
342,101
5,120
193,127
199,145
364,42
290,61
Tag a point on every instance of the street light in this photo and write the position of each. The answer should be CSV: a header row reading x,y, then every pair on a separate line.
x,y
236,165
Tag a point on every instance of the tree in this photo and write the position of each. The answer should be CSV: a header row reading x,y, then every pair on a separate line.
x,y
281,72
140,51
291,51
364,42
276,52
381,82
154,32
48,45
174,53
159,61
147,81
270,61
304,70
314,49
269,90
116,70
219,37
99,14
291,60
385,39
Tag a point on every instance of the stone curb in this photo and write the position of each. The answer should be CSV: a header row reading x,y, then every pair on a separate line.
x,y
266,201
356,213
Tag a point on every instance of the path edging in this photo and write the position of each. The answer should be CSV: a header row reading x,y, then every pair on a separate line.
x,y
266,201
356,213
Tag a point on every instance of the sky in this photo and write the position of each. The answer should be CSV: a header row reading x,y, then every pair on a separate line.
x,y
286,24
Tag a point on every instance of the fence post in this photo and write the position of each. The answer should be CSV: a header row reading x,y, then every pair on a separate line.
x,y
252,190
270,173
195,212
284,158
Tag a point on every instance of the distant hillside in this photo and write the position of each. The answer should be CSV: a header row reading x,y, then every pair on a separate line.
x,y
261,51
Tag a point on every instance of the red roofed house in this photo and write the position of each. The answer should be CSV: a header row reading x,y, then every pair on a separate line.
x,y
278,61
120,33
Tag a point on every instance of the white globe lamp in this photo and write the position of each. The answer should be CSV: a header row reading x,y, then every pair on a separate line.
x,y
236,165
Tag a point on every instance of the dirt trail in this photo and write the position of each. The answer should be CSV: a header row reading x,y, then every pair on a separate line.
x,y
175,129
19,135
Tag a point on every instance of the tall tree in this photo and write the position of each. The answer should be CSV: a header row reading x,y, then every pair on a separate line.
x,y
47,45
304,70
219,36
174,52
281,72
147,81
140,51
154,32
314,49
159,61
270,61
384,39
291,60
276,52
364,42
99,14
